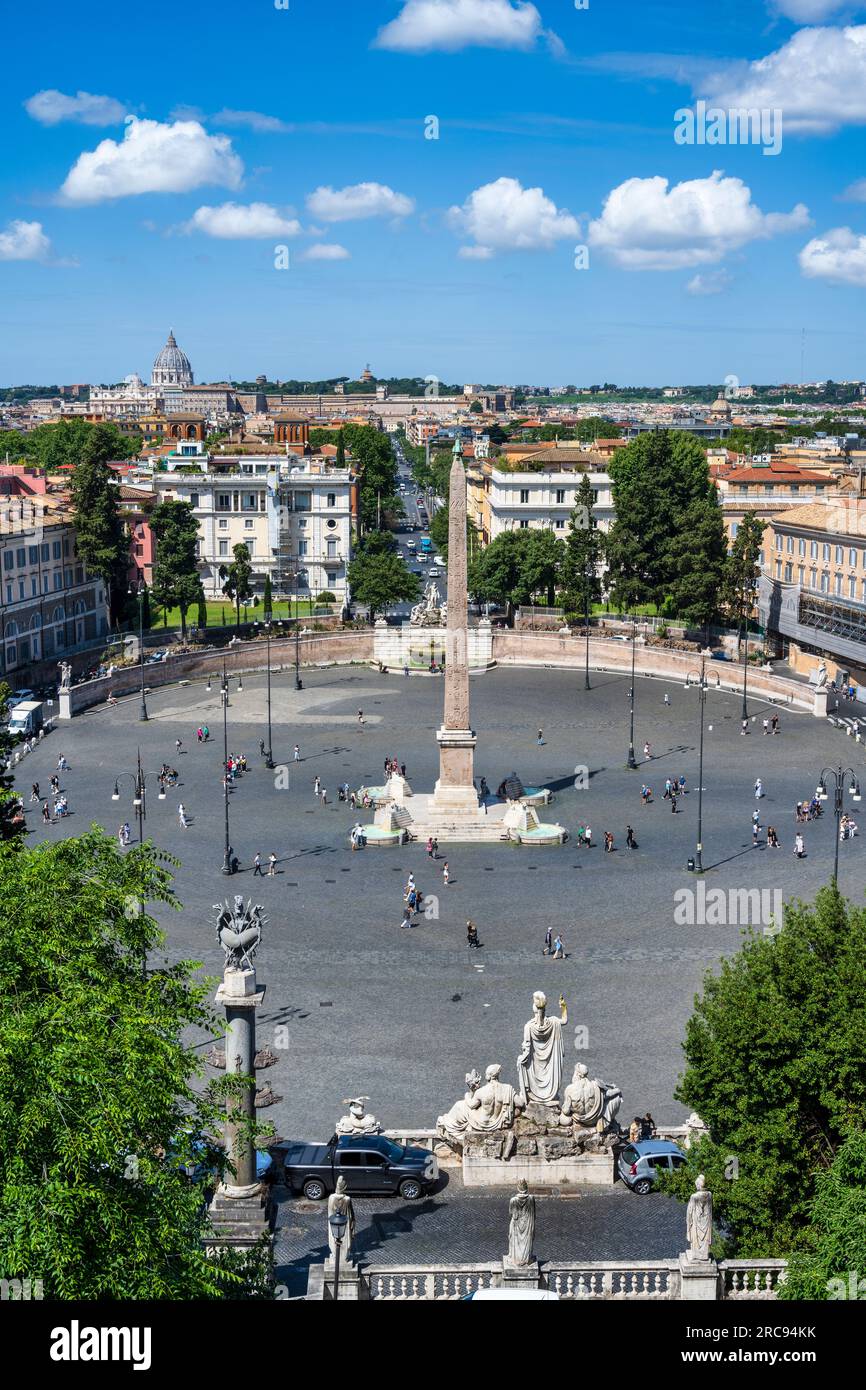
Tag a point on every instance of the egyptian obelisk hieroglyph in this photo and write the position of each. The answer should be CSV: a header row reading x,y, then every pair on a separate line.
x,y
455,789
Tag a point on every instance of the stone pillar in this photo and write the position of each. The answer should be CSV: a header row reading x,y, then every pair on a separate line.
x,y
819,704
699,1281
455,790
240,1210
64,704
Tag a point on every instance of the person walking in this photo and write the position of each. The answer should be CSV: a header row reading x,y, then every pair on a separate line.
x,y
324,797
772,837
182,816
629,838
799,846
745,727
46,814
34,791
407,917
674,802
667,698
261,748
429,846
435,848
199,733
472,935
406,671
361,717
759,788
668,788
446,875
648,751
682,784
62,764
540,739
272,865
766,727
296,754
178,744
587,837
548,942
317,786
774,723
558,951
206,732
608,842
257,866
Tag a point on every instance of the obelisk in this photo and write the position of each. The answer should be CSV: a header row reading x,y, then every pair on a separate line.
x,y
455,789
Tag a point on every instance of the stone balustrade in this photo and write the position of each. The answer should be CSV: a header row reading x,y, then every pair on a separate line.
x,y
751,1278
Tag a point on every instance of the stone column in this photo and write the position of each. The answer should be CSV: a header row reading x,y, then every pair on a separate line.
x,y
240,1208
455,790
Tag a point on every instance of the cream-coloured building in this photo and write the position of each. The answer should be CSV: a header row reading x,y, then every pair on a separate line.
x,y
542,496
293,513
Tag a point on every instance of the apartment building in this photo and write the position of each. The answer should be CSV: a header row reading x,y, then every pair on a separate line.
x,y
540,496
765,488
812,594
49,604
293,513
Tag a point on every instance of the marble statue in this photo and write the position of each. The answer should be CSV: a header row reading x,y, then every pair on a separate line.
x,y
521,1226
493,1104
455,1123
539,1065
358,1121
428,612
699,1222
65,674
340,1200
590,1103
239,931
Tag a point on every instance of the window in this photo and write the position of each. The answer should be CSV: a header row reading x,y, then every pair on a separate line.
x,y
248,502
302,547
193,499
790,546
34,586
223,547
778,541
560,526
250,544
825,583
224,502
223,524
249,524
813,550
560,496
825,552
524,494
8,559
21,588
55,550
332,550
58,579
801,547
524,525
45,583
778,569
332,525
837,584
788,573
21,557
303,501
840,554
332,499
9,598
33,554
852,587
801,574
813,577
852,558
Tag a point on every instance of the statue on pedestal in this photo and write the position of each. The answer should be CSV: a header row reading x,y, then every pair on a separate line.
x,y
590,1104
539,1065
340,1200
358,1121
239,931
65,674
455,1122
521,1227
483,1109
699,1222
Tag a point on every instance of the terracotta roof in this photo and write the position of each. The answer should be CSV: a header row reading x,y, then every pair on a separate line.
x,y
817,516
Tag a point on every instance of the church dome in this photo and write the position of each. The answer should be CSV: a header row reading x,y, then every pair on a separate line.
x,y
172,366
720,406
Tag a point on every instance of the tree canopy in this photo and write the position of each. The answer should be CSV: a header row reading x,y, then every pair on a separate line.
x,y
378,575
102,540
237,578
176,581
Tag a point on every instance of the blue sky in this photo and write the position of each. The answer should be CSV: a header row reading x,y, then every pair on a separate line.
x,y
254,127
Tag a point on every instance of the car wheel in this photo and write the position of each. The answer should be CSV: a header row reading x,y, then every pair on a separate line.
x,y
410,1189
642,1186
314,1189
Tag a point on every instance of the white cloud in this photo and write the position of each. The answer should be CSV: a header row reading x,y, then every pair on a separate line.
x,y
856,192
838,256
357,201
326,251
51,107
817,79
24,241
426,25
713,282
250,120
153,157
505,216
236,221
645,225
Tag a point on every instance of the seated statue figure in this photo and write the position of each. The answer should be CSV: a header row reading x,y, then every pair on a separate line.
x,y
590,1103
358,1121
487,1109
455,1122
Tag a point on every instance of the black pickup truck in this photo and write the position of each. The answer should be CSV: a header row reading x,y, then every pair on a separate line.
x,y
371,1164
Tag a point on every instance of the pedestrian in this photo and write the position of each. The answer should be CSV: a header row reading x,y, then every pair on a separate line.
x,y
178,744
608,842
353,801
182,817
587,839
199,733
407,918
674,802
682,784
261,748
324,797
272,865
755,832
429,847
766,727
472,935
745,727
410,884
648,750
645,794
317,786
446,876
667,698
540,739
558,952
405,670
257,865
772,837
120,839
759,788
46,814
799,846
774,723
668,788
548,942
435,848
629,838
34,791
360,716
296,753
581,834
62,764
206,732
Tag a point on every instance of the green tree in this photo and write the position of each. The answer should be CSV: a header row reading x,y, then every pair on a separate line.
x,y
61,445
268,599
776,1068
341,450
237,579
101,1097
102,540
662,489
12,826
584,550
476,408
13,445
837,1235
202,610
497,573
378,576
176,582
541,568
743,568
698,556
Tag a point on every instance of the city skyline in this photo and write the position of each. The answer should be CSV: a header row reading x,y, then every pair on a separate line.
x,y
128,206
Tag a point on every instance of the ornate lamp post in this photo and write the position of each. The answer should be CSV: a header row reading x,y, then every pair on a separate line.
x,y
586,685
338,1221
269,759
838,775
139,800
632,761
704,687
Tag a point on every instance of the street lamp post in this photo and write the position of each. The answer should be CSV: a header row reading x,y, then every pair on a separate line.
x,y
338,1221
838,775
224,695
139,800
632,761
704,685
142,713
745,713
269,760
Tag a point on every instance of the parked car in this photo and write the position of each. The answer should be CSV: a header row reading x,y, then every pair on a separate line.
x,y
639,1163
370,1164
433,572
19,696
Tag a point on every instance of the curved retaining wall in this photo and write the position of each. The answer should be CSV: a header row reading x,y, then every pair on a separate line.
x,y
609,654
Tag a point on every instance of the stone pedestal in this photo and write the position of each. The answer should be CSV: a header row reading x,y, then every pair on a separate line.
x,y
819,706
455,790
520,1276
320,1283
699,1280
64,704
